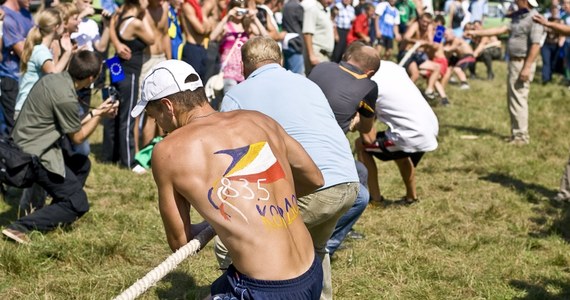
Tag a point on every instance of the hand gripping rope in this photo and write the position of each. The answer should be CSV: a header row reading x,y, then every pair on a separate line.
x,y
143,284
409,54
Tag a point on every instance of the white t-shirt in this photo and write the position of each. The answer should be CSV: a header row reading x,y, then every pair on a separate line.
x,y
87,33
412,123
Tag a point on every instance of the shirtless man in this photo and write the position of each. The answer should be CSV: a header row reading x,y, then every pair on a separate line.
x,y
196,27
461,57
236,169
421,31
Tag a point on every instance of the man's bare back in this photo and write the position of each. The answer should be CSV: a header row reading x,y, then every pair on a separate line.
x,y
158,11
234,169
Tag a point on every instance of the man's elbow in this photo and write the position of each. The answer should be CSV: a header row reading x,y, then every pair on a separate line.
x,y
319,181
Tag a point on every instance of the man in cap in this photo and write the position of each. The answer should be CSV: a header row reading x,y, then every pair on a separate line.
x,y
523,47
237,170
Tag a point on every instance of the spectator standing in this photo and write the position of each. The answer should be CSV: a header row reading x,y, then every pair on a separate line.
x,y
387,23
132,28
407,12
412,130
37,59
17,23
456,16
299,105
478,9
174,29
343,22
50,113
317,33
361,25
293,23
196,29
523,47
550,51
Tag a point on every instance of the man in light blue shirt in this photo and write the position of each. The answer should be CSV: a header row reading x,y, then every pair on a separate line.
x,y
301,108
478,9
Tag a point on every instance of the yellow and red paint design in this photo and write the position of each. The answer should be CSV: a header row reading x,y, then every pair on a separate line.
x,y
252,165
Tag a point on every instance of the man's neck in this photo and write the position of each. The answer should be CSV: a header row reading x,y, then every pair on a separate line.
x,y
13,5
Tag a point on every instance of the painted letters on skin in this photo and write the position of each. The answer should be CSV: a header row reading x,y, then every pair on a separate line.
x,y
251,166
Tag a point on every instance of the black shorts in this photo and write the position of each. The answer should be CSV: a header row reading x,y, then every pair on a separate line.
x,y
418,57
234,285
462,62
380,150
386,42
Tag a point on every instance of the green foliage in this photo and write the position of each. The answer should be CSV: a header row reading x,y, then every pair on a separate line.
x,y
484,228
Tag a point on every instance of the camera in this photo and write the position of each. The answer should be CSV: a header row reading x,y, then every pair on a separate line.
x,y
242,11
110,91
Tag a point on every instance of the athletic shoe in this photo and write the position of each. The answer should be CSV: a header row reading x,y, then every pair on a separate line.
x,y
464,86
138,169
16,236
355,235
445,101
517,141
430,95
406,201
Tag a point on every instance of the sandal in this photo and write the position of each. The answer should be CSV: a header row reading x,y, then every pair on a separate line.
x,y
407,201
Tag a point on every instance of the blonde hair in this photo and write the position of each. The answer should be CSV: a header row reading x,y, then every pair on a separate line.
x,y
260,50
47,22
67,10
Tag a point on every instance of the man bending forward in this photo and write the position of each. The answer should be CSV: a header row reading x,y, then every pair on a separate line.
x,y
236,169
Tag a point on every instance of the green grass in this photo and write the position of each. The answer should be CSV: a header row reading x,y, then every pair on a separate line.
x,y
484,228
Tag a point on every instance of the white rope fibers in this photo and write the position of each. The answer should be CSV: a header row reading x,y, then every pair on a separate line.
x,y
409,54
143,284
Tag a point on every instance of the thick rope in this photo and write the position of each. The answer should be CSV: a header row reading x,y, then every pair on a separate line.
x,y
409,54
143,284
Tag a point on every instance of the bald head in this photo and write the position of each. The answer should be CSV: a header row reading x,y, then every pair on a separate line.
x,y
362,56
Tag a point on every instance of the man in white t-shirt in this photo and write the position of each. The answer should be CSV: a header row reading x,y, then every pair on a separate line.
x,y
412,129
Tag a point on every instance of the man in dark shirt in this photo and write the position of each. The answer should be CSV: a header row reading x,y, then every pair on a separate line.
x,y
352,97
51,112
293,49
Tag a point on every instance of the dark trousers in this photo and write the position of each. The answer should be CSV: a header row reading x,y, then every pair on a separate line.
x,y
550,58
118,136
9,92
487,57
340,46
69,199
197,57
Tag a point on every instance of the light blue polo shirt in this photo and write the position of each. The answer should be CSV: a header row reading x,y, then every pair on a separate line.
x,y
300,107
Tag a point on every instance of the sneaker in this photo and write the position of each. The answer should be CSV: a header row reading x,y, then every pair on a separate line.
x,y
560,198
517,141
138,169
355,235
490,76
430,95
16,236
445,101
464,86
406,201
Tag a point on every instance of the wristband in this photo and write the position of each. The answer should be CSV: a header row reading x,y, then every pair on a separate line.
x,y
91,114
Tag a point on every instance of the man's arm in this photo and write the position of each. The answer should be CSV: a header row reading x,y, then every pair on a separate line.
x,y
532,53
174,209
306,174
90,122
556,26
489,31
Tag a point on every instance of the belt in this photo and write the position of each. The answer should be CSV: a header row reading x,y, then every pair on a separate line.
x,y
517,58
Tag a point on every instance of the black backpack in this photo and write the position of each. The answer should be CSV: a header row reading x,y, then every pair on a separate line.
x,y
17,168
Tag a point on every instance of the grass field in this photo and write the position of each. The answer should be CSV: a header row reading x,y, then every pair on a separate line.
x,y
484,228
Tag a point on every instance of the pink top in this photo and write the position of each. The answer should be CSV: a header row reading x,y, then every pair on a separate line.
x,y
232,69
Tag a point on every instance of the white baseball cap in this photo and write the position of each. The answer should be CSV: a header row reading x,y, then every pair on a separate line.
x,y
164,79
533,3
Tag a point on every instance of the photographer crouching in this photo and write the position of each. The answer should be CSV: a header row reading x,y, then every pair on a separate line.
x,y
50,113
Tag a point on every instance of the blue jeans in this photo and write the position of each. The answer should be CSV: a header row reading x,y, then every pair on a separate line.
x,y
345,223
549,53
293,61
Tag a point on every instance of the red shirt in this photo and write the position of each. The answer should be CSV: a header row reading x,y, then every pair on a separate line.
x,y
360,24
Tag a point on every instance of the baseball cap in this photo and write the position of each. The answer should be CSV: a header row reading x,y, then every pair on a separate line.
x,y
533,3
164,79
